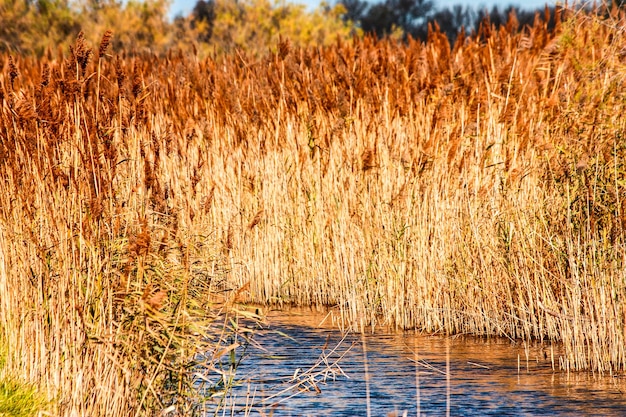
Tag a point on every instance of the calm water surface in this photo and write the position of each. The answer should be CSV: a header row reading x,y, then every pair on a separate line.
x,y
301,368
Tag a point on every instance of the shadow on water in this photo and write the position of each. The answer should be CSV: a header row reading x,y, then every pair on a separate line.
x,y
301,369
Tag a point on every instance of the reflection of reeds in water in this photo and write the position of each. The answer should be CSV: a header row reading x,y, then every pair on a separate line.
x,y
366,374
418,394
417,186
448,385
326,368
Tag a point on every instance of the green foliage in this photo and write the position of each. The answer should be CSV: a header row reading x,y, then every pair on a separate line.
x,y
138,26
33,27
257,25
18,399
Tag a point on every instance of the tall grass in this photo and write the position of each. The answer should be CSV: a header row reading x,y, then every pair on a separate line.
x,y
110,299
477,188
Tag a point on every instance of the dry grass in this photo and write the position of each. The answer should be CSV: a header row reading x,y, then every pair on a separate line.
x,y
475,189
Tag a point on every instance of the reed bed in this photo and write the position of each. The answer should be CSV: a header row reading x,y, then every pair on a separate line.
x,y
476,188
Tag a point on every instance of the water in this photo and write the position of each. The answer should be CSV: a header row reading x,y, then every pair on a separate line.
x,y
301,369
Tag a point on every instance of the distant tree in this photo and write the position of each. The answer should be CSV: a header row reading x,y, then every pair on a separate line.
x,y
525,18
379,19
257,25
413,17
203,19
450,22
355,10
388,16
33,26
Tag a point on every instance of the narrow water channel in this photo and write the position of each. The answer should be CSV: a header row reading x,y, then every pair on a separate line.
x,y
298,368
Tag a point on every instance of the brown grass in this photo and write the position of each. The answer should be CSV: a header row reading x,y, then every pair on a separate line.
x,y
475,189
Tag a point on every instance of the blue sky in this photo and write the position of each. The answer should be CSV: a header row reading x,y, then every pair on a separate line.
x,y
185,6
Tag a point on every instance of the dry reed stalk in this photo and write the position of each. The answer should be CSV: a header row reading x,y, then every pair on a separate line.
x,y
98,321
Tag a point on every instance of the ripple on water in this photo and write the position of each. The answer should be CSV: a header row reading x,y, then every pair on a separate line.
x,y
484,378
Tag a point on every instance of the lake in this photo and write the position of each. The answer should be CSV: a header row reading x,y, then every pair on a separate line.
x,y
301,365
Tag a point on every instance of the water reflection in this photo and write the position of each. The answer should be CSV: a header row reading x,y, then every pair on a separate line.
x,y
294,371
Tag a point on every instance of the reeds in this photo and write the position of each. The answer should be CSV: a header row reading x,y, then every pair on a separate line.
x,y
109,304
475,189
